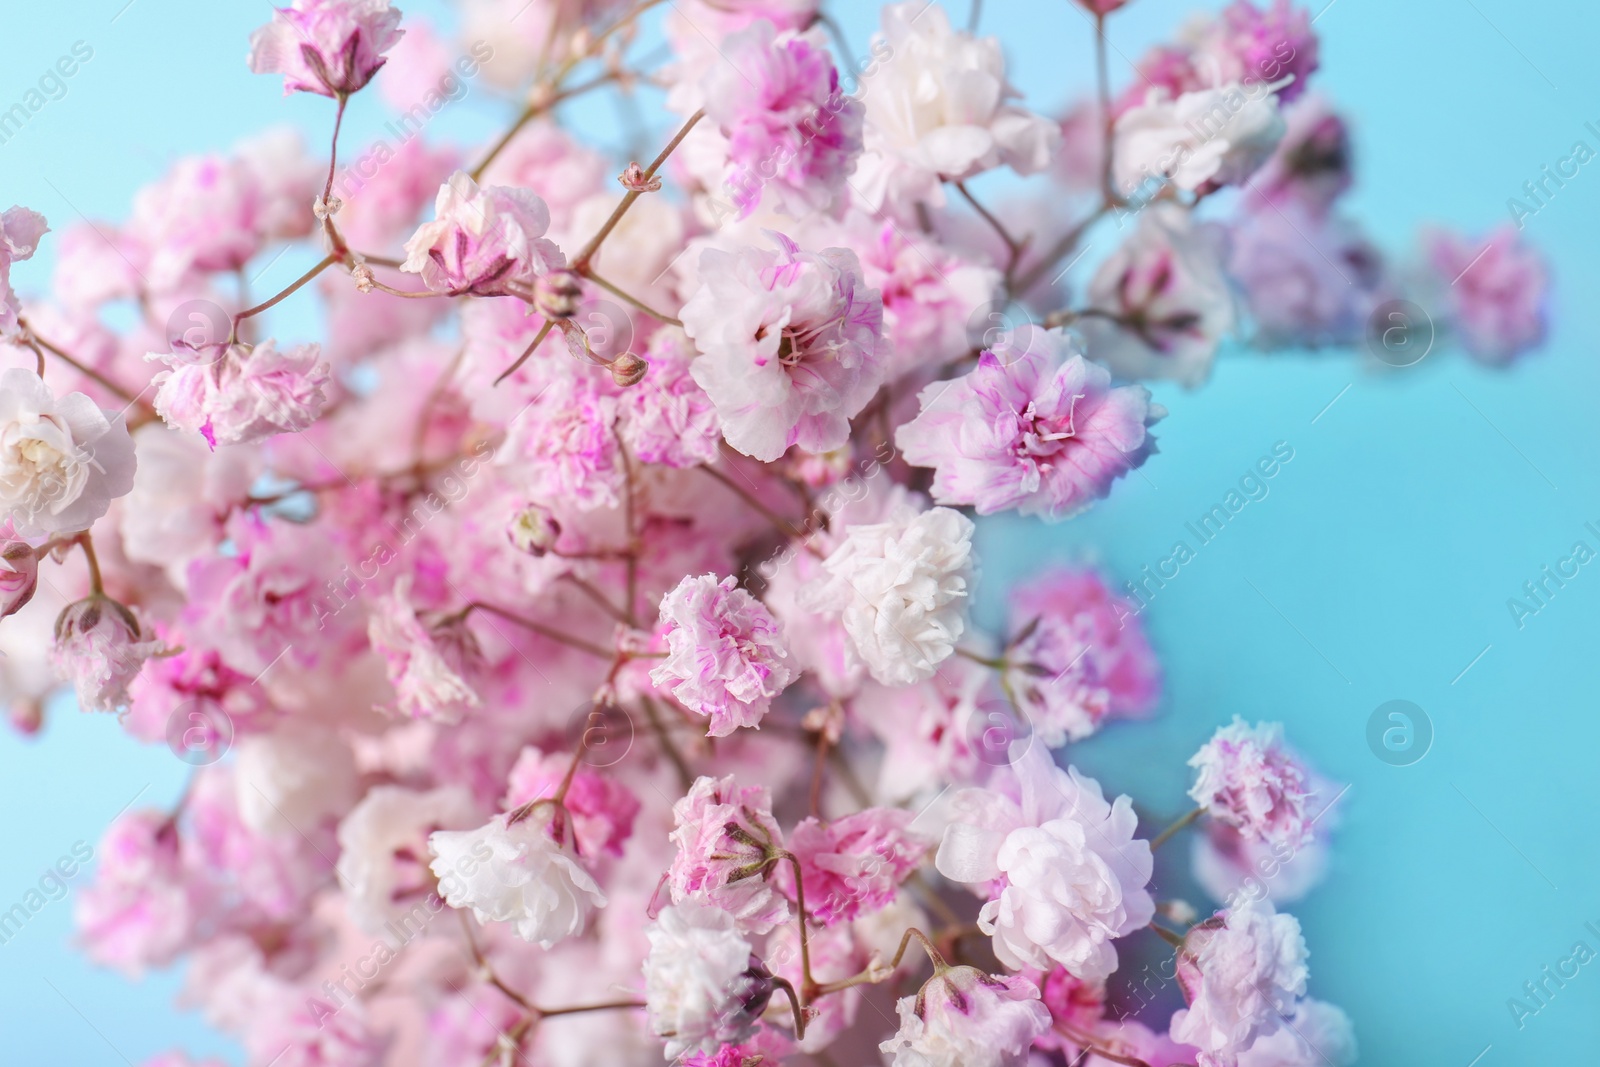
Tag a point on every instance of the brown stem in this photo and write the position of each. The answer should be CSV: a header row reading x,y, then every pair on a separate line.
x,y
544,331
613,1005
539,628
327,261
939,964
1165,835
681,765
533,111
1171,938
630,604
784,526
86,542
36,343
629,298
580,262
808,984
794,1003
598,597
1014,247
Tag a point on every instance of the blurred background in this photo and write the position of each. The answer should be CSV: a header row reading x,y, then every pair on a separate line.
x,y
1377,568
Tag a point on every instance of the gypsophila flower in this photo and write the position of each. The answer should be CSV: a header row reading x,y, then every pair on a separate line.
x,y
251,392
703,985
100,648
383,849
965,1018
486,241
62,460
20,233
1240,972
19,576
728,848
725,653
1247,776
328,47
424,667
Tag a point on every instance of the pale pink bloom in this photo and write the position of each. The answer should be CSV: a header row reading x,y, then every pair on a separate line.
x,y
426,666
327,47
1247,43
299,776
1241,972
1081,656
484,241
100,648
598,808
384,189
1247,776
1230,866
1034,426
193,699
790,344
965,1018
1312,164
1200,141
287,180
143,907
251,393
545,157
725,653
900,587
1495,288
667,418
1063,870
694,28
204,214
420,75
62,460
854,865
727,843
1161,302
939,108
19,576
20,233
516,872
703,986
383,849
785,125
94,264
1306,280
562,449
296,1027
1317,1034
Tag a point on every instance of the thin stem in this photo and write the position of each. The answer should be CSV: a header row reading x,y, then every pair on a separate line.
x,y
1162,838
784,525
1171,938
488,971
681,765
630,516
597,596
1013,246
1087,1044
533,111
327,261
808,985
629,298
544,331
938,961
87,543
580,262
410,294
333,151
1031,276
36,342
1108,123
613,1005
997,663
794,1003
539,628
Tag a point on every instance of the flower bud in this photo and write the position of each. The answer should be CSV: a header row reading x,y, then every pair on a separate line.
x,y
100,648
19,576
557,294
634,180
628,369
534,530
365,279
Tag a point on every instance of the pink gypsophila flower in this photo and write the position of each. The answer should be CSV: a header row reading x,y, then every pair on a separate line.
x,y
295,1027
791,345
1496,290
20,233
788,129
1035,426
854,866
100,648
327,47
142,907
667,418
1083,657
562,450
486,241
965,1018
1247,776
251,393
425,667
704,988
599,807
19,576
727,843
726,657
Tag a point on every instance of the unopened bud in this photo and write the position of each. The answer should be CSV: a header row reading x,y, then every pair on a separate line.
x,y
534,530
628,369
558,293
365,279
323,208
634,180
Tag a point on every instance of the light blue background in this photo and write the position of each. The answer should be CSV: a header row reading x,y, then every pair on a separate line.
x,y
1378,568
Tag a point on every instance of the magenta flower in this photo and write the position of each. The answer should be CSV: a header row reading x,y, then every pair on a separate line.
x,y
1496,290
485,241
854,866
1250,778
725,653
251,393
327,47
1034,427
727,844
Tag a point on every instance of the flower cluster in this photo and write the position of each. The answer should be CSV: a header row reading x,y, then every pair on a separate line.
x,y
585,611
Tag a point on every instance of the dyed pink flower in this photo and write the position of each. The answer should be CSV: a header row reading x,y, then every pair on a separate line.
x,y
1063,871
667,418
727,846
1074,1004
790,343
1160,303
1241,972
383,850
425,666
563,447
1315,1035
20,233
599,809
854,866
1035,427
1250,44
1311,166
100,647
203,215
788,128
327,47
965,1018
1081,657
704,988
1306,280
19,576
484,241
62,460
1248,777
295,1027
143,907
252,392
1496,290
725,653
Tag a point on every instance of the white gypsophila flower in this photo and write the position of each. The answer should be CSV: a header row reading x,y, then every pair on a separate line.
x,y
703,988
965,1018
62,459
900,588
383,848
1072,876
518,873
1217,136
290,780
938,108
